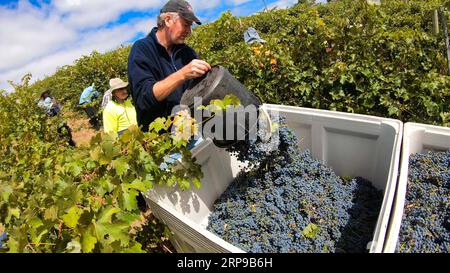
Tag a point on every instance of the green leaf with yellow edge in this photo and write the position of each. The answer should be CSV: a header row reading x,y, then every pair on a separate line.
x,y
110,150
12,212
129,201
178,141
218,104
128,217
96,153
171,181
36,230
135,248
108,233
127,136
121,166
6,192
107,213
75,169
13,245
138,185
17,239
311,231
197,183
158,124
72,216
88,240
231,100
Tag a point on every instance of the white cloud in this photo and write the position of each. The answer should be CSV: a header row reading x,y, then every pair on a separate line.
x,y
28,34
238,2
93,13
282,4
87,13
37,40
101,41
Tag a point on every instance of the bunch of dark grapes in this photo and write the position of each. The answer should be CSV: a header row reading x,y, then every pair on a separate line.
x,y
425,224
289,202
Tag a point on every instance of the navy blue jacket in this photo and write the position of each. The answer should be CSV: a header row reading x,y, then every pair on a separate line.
x,y
149,63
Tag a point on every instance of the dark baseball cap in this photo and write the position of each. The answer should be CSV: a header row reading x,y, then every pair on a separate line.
x,y
183,8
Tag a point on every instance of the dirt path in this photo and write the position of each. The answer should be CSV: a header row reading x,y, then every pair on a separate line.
x,y
82,132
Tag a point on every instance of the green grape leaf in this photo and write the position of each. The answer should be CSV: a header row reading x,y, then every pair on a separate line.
x,y
128,217
6,192
158,124
129,201
88,240
12,212
36,230
75,169
135,248
231,100
106,214
96,153
120,166
196,183
51,213
138,185
72,217
108,233
311,231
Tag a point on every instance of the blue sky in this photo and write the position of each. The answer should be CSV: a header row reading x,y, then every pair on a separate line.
x,y
38,36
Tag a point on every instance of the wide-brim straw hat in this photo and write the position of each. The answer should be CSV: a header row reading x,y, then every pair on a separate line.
x,y
117,83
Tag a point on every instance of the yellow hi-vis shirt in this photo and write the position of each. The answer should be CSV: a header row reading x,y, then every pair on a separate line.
x,y
118,117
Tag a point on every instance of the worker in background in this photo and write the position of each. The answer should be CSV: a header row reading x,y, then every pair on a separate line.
x,y
251,36
106,98
86,99
52,108
119,113
161,66
49,104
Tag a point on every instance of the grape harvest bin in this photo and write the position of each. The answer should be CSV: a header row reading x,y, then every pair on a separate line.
x,y
352,145
417,138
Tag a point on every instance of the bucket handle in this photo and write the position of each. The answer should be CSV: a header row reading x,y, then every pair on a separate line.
x,y
269,121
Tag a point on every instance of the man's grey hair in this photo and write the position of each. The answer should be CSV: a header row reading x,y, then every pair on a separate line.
x,y
160,20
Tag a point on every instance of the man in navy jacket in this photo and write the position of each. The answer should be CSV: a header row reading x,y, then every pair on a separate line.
x,y
161,66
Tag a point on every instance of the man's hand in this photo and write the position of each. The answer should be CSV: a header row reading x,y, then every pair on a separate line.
x,y
195,69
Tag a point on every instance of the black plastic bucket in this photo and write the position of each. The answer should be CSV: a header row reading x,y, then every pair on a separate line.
x,y
216,84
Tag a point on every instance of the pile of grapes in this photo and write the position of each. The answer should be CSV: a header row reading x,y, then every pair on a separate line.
x,y
288,202
425,224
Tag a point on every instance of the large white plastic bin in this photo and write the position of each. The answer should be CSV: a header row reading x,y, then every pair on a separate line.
x,y
352,145
417,138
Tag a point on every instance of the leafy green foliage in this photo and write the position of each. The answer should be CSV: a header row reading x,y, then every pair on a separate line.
x,y
218,106
346,56
70,80
59,199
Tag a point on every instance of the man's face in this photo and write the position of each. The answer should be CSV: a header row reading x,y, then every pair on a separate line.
x,y
179,30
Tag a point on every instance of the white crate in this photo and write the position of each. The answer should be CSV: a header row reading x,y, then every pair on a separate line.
x,y
352,145
417,138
